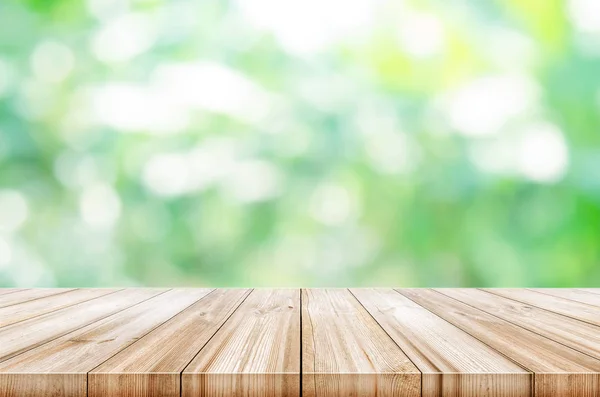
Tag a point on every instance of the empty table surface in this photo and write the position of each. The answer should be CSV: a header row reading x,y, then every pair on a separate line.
x,y
290,342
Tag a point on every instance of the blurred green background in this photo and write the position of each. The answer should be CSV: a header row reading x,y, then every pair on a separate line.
x,y
299,143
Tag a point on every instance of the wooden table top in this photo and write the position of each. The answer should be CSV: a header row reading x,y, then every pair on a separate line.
x,y
292,342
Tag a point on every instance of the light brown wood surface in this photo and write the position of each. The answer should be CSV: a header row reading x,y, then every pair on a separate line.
x,y
565,330
559,370
25,335
566,307
345,351
27,295
255,353
578,295
292,342
34,308
161,356
592,290
80,351
9,290
453,363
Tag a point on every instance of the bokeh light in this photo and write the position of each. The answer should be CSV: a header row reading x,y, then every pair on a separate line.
x,y
299,143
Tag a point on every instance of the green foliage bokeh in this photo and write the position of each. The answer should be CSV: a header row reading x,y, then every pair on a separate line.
x,y
290,143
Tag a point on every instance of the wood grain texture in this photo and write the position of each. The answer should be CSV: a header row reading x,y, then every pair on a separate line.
x,y
26,310
255,353
26,295
577,295
292,342
566,307
26,335
559,370
568,331
345,351
151,367
453,363
29,385
84,349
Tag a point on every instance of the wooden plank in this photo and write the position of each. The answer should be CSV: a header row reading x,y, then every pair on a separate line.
x,y
26,335
453,363
29,294
570,332
577,295
26,310
322,342
255,353
4,291
78,352
151,367
592,290
559,370
345,351
566,307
